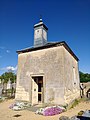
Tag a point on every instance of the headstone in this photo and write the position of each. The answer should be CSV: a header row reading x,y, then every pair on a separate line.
x,y
9,85
0,81
1,87
14,85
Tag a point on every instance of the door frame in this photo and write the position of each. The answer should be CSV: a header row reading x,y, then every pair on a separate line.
x,y
38,75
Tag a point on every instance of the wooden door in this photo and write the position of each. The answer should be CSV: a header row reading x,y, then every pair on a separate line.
x,y
34,91
37,89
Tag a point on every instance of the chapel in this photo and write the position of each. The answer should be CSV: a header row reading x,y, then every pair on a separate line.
x,y
47,72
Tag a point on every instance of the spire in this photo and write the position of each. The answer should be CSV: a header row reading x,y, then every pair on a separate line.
x,y
40,33
41,18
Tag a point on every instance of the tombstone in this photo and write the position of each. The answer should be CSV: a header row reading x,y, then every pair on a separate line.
x,y
13,89
1,88
0,81
14,85
9,85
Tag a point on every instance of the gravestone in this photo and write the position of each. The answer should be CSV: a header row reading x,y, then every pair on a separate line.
x,y
9,85
1,87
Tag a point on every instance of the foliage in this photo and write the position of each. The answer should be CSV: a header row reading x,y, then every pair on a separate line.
x,y
80,113
8,76
84,77
74,103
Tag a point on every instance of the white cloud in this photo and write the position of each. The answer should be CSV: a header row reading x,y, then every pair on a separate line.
x,y
8,51
9,68
5,49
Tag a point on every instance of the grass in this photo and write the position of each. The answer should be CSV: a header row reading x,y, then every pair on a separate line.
x,y
0,100
76,102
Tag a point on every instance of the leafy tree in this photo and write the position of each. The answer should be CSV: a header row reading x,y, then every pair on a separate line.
x,y
8,76
84,77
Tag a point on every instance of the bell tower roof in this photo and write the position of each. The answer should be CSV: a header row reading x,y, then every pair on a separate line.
x,y
40,24
40,34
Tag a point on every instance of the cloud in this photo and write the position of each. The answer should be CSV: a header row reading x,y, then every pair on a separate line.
x,y
9,69
8,51
0,56
5,49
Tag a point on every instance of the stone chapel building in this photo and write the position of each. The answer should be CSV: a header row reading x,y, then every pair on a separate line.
x,y
47,72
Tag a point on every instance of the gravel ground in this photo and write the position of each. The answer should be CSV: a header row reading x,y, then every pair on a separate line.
x,y
8,114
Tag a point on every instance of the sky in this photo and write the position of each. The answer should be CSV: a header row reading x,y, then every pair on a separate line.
x,y
67,20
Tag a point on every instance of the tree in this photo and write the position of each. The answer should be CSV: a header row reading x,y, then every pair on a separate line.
x,y
8,76
84,77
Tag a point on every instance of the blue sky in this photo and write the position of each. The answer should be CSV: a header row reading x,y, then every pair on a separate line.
x,y
67,20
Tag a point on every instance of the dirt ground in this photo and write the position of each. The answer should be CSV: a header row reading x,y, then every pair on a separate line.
x,y
8,114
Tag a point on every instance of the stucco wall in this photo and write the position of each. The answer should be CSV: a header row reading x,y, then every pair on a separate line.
x,y
56,66
47,62
71,77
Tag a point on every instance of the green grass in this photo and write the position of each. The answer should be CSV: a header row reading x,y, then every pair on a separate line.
x,y
76,102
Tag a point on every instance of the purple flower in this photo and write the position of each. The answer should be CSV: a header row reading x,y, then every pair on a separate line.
x,y
52,111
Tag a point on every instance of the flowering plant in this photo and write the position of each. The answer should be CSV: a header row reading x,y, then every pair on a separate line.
x,y
52,111
19,106
49,111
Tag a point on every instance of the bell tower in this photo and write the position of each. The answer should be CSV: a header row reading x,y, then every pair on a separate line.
x,y
40,34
